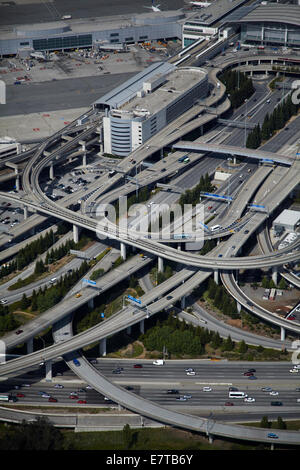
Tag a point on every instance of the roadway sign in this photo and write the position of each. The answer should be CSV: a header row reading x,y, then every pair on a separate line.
x,y
134,299
217,196
257,207
88,281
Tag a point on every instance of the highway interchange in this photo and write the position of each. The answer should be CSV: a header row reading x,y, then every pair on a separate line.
x,y
37,200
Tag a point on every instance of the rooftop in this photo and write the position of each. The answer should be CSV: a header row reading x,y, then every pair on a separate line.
x,y
274,13
123,93
215,12
176,83
288,216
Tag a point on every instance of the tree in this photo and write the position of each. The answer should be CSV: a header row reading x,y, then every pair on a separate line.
x,y
264,422
38,435
127,436
280,423
243,348
25,302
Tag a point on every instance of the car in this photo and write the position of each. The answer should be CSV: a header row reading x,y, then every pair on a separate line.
x,y
78,295
248,374
191,373
26,385
18,332
58,386
116,371
181,399
272,435
273,393
266,389
251,370
45,395
291,317
4,301
88,387
206,389
20,395
169,297
80,390
293,371
128,387
82,401
76,362
249,400
189,369
252,377
229,403
73,397
137,366
173,391
246,231
52,399
233,389
276,403
187,396
297,389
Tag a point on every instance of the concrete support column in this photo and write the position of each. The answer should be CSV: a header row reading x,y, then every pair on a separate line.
x,y
18,183
103,347
91,303
238,306
201,130
179,246
84,159
75,233
162,153
142,326
51,171
25,212
210,439
123,251
282,333
128,330
182,302
48,365
160,265
216,276
275,275
29,346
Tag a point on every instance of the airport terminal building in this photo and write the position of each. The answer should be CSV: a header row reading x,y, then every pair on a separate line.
x,y
273,24
88,32
146,103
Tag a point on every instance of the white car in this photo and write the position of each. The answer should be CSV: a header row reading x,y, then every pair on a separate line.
x,y
206,389
45,395
58,386
189,369
194,373
274,393
294,370
249,400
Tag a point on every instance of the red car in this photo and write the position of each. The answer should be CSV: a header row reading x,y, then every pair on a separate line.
x,y
229,403
291,317
137,366
73,397
54,400
82,401
20,395
248,374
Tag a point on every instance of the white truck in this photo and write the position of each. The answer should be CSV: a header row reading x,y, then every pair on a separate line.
x,y
158,362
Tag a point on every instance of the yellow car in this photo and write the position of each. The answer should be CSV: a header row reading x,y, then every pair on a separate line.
x,y
78,295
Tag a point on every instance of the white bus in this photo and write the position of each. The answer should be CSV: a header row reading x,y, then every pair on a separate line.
x,y
237,395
